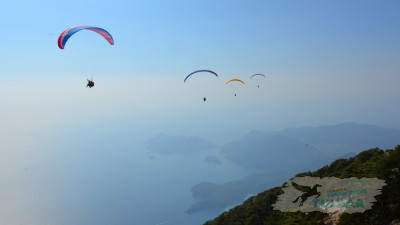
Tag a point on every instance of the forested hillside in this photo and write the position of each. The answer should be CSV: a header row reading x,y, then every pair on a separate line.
x,y
258,210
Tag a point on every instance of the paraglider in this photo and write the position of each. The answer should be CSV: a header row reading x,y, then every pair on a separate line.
x,y
256,75
66,34
90,83
198,71
234,80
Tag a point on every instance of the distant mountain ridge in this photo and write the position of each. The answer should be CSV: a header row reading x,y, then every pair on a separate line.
x,y
311,145
336,140
269,152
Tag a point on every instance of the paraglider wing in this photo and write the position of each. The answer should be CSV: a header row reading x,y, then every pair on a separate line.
x,y
257,74
66,34
234,80
197,71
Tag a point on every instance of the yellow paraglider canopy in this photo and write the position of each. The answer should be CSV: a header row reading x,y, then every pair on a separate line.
x,y
234,80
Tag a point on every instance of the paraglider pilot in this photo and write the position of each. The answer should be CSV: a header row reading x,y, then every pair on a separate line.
x,y
204,99
90,83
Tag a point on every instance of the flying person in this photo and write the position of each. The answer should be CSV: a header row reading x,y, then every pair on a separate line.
x,y
90,83
69,32
234,81
257,75
198,71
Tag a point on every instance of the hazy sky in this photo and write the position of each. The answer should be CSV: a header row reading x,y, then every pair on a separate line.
x,y
326,62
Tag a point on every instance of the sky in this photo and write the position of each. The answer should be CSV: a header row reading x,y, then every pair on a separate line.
x,y
339,58
326,62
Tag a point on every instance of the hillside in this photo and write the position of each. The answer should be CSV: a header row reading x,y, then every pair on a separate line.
x,y
258,210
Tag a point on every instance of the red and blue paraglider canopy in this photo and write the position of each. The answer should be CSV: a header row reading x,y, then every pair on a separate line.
x,y
66,34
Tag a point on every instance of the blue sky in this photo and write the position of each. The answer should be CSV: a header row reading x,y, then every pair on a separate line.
x,y
326,62
153,38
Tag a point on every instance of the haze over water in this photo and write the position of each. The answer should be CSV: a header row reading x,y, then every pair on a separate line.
x,y
74,155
